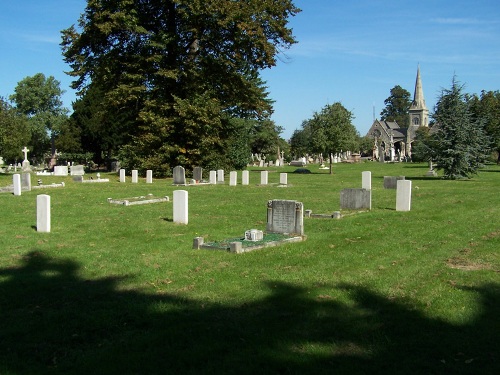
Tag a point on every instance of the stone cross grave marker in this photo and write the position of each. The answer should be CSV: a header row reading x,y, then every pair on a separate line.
x,y
179,175
285,216
25,152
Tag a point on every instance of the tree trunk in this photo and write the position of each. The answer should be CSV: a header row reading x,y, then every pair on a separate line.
x,y
331,162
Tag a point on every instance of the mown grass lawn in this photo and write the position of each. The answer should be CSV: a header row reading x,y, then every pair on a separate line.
x,y
119,290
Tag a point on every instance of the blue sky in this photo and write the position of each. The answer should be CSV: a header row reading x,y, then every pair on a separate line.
x,y
352,52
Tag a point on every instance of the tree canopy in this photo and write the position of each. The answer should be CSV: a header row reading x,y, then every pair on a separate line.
x,y
177,71
459,143
397,106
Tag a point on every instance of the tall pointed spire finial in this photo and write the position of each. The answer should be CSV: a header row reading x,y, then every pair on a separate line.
x,y
418,96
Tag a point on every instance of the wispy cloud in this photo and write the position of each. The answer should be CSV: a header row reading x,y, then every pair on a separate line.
x,y
40,38
457,21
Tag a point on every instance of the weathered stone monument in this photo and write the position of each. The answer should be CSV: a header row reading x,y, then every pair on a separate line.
x,y
245,177
264,177
43,213
26,181
285,216
122,175
198,174
366,180
149,176
179,174
403,195
390,182
213,177
77,170
180,206
233,178
356,199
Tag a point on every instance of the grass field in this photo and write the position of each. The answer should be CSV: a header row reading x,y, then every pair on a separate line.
x,y
119,290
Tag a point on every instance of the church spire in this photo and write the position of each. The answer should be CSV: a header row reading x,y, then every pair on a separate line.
x,y
418,96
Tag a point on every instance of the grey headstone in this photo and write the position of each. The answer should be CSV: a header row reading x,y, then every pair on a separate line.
x,y
77,170
198,174
179,175
390,182
285,216
355,199
26,181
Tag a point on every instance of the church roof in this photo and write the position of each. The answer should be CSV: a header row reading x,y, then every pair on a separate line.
x,y
418,95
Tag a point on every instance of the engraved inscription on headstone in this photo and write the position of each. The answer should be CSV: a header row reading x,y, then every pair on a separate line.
x,y
285,216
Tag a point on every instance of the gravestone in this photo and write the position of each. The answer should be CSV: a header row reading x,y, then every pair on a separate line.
x,y
390,182
43,213
135,176
283,178
355,199
180,206
198,174
285,216
26,164
60,170
213,177
233,178
16,180
366,180
403,195
179,174
26,181
220,176
122,175
149,176
77,170
245,177
263,177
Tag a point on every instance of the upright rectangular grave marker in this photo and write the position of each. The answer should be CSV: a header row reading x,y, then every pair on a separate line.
x,y
283,178
135,176
245,177
26,181
43,213
149,176
198,174
77,170
366,180
390,182
122,175
61,170
180,206
355,199
220,176
403,195
233,178
263,177
16,180
285,216
179,175
213,177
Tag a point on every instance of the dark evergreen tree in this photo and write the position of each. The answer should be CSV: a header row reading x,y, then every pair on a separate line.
x,y
459,141
487,108
397,106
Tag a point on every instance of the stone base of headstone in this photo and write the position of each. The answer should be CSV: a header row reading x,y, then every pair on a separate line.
x,y
236,247
431,173
198,243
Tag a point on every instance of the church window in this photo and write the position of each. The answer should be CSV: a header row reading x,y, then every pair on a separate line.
x,y
416,121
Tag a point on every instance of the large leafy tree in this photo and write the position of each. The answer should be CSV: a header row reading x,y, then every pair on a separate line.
x,y
459,142
332,130
14,132
179,68
486,107
39,99
397,106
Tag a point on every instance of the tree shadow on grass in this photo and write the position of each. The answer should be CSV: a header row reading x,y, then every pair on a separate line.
x,y
54,322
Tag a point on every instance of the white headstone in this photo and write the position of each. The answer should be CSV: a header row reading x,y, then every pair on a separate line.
x,y
233,178
180,206
16,180
283,178
135,176
213,177
245,177
43,213
122,175
149,176
26,181
77,170
220,176
403,195
263,177
60,170
366,180
25,152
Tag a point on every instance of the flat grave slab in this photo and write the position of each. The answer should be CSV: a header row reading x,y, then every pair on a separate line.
x,y
138,200
245,245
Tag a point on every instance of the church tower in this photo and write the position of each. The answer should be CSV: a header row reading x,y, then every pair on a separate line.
x,y
419,114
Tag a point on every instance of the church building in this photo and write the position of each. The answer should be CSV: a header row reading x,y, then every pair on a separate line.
x,y
391,142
